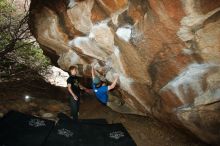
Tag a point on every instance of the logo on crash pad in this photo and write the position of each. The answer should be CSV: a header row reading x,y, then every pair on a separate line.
x,y
36,123
65,132
116,135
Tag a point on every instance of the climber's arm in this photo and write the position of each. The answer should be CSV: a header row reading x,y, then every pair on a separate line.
x,y
82,87
112,86
93,73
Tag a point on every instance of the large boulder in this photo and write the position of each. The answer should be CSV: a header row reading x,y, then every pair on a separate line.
x,y
167,54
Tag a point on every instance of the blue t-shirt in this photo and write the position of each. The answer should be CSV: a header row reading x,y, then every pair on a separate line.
x,y
101,93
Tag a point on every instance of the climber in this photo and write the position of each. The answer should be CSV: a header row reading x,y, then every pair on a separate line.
x,y
101,89
74,87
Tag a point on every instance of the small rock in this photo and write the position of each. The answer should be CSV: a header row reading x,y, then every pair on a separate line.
x,y
33,104
1,115
122,120
41,112
53,107
47,115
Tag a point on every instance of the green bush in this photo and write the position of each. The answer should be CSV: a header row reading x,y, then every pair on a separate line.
x,y
32,56
14,37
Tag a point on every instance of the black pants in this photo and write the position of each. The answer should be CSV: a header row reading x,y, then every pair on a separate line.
x,y
74,107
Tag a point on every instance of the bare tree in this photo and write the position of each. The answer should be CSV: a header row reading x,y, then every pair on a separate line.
x,y
14,31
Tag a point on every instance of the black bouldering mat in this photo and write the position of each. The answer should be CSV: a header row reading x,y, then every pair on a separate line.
x,y
65,133
63,117
104,135
69,133
90,132
93,121
18,129
117,135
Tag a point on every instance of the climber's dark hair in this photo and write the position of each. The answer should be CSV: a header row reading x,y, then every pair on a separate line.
x,y
72,68
99,84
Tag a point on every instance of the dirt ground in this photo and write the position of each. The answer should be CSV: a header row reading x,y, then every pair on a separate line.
x,y
144,130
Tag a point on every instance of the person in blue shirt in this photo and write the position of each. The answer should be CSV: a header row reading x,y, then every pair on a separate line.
x,y
101,89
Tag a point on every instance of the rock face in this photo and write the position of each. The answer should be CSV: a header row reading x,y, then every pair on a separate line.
x,y
167,54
